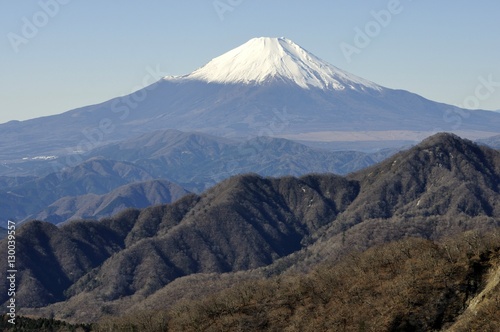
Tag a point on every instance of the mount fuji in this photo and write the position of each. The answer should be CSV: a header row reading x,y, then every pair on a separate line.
x,y
262,60
265,87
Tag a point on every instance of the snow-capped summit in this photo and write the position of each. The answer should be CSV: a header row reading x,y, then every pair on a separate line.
x,y
267,86
263,59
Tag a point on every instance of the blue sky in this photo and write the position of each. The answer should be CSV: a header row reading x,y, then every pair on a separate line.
x,y
86,52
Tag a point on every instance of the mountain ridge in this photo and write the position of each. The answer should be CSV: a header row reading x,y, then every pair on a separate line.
x,y
195,161
275,224
95,176
278,108
92,206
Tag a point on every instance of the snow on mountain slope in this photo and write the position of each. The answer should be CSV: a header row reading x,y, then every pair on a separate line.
x,y
267,86
262,59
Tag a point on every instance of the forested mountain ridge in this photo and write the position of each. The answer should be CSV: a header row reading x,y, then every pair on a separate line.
x,y
443,186
194,161
92,206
